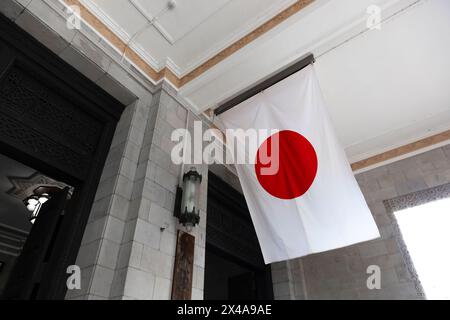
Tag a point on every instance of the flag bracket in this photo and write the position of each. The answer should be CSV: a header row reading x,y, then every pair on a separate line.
x,y
286,72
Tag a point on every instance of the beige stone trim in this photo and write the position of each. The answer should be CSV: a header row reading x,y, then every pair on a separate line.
x,y
403,150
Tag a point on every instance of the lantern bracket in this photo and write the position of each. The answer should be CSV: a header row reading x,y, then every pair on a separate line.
x,y
178,198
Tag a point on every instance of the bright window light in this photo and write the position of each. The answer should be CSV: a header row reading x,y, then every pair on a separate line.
x,y
426,232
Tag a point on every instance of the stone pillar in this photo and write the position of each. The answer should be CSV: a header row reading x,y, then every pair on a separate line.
x,y
288,279
103,235
129,245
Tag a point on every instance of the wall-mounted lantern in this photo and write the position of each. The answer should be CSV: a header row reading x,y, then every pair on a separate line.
x,y
40,196
188,198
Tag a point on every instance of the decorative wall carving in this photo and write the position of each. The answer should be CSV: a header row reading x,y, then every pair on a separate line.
x,y
418,198
36,117
29,98
18,134
23,186
184,267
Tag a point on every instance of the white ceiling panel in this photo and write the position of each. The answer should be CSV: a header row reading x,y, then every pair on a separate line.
x,y
191,33
187,15
153,44
226,26
391,80
151,8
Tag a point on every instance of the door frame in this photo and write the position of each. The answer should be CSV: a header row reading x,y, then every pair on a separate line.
x,y
17,46
221,240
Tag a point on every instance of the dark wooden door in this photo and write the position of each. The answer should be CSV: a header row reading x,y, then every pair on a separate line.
x,y
231,235
29,269
242,287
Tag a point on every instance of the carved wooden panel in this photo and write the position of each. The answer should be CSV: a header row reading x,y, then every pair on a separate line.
x,y
36,119
30,141
184,267
29,98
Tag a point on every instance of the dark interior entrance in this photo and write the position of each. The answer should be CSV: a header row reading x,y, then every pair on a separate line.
x,y
58,123
234,267
20,221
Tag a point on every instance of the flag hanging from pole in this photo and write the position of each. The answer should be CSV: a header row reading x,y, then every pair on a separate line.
x,y
300,190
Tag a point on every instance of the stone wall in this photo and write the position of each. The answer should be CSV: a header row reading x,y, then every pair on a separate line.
x,y
341,274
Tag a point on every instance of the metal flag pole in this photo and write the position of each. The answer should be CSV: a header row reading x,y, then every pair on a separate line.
x,y
294,67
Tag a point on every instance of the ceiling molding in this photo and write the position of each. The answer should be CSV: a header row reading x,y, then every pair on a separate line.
x,y
173,67
326,42
268,14
247,39
126,38
152,20
151,61
98,26
164,33
397,137
106,20
405,150
107,29
171,73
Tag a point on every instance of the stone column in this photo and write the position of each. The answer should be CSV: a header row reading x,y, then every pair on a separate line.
x,y
103,234
129,245
146,261
289,281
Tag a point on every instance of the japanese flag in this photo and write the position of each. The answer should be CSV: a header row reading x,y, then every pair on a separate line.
x,y
300,190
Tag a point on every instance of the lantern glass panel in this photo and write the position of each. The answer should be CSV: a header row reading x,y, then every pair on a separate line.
x,y
190,200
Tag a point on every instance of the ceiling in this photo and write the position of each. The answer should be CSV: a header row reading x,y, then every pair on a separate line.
x,y
384,88
389,87
17,182
13,212
185,37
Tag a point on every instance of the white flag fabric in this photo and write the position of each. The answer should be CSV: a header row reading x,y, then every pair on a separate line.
x,y
313,202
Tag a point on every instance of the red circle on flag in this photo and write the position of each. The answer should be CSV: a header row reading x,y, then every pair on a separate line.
x,y
296,169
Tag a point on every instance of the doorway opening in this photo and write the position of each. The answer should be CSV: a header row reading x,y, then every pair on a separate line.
x,y
425,231
228,279
25,198
60,124
234,266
